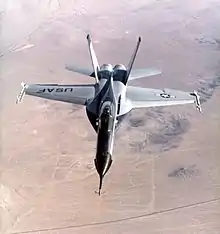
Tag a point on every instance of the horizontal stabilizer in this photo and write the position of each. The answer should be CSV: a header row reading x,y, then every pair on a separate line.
x,y
82,71
145,72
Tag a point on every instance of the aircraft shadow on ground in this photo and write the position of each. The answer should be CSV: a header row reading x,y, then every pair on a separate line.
x,y
185,172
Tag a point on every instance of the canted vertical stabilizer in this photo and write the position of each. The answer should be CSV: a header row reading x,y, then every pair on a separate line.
x,y
93,57
130,65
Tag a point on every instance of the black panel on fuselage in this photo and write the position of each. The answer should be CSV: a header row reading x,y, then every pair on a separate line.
x,y
120,75
104,131
105,74
94,120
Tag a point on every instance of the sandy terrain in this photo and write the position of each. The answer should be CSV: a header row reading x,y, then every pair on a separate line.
x,y
167,180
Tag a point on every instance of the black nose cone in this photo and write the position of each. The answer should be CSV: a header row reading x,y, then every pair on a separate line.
x,y
102,164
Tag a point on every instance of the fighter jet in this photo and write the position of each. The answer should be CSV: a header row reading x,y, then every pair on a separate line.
x,y
109,99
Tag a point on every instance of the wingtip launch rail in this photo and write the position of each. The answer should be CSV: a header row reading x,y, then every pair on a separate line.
x,y
197,100
22,93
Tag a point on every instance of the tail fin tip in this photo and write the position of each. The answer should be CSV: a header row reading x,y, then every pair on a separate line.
x,y
88,37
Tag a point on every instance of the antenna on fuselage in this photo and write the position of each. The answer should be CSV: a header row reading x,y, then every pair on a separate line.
x,y
94,59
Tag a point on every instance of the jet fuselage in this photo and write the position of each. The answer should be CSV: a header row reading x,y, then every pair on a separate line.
x,y
106,111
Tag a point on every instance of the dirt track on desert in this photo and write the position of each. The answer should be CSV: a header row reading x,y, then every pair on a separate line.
x,y
167,178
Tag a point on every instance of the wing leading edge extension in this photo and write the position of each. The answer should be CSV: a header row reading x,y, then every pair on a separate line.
x,y
144,97
76,94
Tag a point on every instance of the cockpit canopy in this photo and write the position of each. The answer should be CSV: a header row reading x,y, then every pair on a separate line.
x,y
106,119
106,110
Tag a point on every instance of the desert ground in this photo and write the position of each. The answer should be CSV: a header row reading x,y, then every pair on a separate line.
x,y
165,176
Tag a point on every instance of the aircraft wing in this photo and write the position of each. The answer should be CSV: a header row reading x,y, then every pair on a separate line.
x,y
77,94
140,73
145,97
